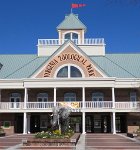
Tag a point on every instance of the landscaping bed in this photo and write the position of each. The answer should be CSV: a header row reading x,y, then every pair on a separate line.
x,y
72,141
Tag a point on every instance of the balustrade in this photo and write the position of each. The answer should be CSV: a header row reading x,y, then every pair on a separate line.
x,y
76,105
90,41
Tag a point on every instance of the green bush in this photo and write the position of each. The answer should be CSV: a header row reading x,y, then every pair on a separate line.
x,y
1,130
138,131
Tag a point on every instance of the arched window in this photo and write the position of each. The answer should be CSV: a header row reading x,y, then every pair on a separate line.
x,y
68,36
42,97
97,96
15,98
70,96
75,72
63,72
71,36
69,71
74,36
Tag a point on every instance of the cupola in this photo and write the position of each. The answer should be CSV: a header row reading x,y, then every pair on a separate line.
x,y
71,28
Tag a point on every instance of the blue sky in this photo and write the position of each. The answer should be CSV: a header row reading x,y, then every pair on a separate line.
x,y
23,22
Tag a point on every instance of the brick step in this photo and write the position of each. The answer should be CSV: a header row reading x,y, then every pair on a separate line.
x,y
45,147
113,147
119,148
113,144
3,147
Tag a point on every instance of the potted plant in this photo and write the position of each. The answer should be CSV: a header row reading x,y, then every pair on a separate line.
x,y
2,133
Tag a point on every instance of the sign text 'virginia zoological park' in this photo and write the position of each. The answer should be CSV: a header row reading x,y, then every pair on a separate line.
x,y
71,57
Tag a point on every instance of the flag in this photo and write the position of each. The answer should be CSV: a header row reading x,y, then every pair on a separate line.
x,y
77,5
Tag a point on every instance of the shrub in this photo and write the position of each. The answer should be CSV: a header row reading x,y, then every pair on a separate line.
x,y
138,131
1,130
54,134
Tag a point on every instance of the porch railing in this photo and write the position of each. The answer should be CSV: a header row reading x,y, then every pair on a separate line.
x,y
11,105
89,41
39,105
98,104
127,105
77,105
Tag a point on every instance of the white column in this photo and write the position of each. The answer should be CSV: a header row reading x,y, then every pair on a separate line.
x,y
55,96
25,123
28,123
60,38
113,97
83,122
111,116
114,123
25,97
83,97
83,37
0,95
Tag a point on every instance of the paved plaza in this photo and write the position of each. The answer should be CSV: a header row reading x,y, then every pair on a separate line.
x,y
86,142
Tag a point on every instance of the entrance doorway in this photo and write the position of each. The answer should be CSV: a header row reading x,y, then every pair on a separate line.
x,y
19,123
98,123
75,123
121,126
35,123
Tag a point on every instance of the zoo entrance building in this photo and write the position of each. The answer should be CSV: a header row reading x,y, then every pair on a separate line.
x,y
102,90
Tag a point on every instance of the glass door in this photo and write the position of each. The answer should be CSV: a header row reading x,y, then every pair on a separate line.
x,y
15,101
75,123
88,124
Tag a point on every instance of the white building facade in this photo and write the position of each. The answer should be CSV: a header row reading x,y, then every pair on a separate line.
x,y
103,90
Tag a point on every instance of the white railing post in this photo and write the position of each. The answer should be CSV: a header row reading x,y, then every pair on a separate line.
x,y
113,97
83,122
25,97
25,123
83,97
55,96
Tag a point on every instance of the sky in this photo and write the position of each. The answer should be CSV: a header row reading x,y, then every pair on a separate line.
x,y
23,22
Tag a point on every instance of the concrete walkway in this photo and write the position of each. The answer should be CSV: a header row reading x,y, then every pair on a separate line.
x,y
81,143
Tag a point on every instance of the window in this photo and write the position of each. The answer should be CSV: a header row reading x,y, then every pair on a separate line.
x,y
74,36
133,96
69,97
42,97
98,96
74,72
15,99
68,36
69,71
71,36
63,72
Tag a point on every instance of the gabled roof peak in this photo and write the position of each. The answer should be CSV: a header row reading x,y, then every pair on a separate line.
x,y
67,15
71,21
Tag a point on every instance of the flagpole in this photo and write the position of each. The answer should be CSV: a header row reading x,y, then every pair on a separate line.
x,y
71,10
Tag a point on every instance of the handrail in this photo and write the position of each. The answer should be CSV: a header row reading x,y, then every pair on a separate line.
x,y
88,41
74,105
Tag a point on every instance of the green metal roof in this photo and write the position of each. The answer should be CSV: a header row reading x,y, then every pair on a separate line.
x,y
119,65
20,66
71,22
113,65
